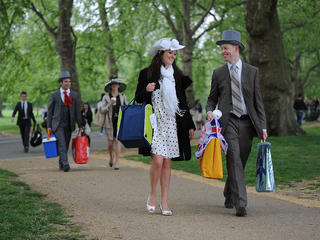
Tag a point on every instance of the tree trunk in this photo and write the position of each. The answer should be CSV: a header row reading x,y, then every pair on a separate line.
x,y
110,56
1,106
266,51
296,79
187,52
65,45
186,55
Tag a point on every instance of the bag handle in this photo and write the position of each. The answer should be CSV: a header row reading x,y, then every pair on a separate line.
x,y
132,102
48,135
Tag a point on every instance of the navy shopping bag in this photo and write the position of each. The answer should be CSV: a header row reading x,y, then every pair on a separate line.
x,y
264,175
134,125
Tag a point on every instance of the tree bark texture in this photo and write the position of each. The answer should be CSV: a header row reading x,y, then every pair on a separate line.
x,y
266,51
110,56
65,40
66,45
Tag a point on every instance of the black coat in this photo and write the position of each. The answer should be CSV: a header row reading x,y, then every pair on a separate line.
x,y
184,124
19,109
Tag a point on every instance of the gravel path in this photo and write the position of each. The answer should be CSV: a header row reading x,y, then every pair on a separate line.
x,y
111,204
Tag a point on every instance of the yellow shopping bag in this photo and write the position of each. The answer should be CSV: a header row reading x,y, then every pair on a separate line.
x,y
211,161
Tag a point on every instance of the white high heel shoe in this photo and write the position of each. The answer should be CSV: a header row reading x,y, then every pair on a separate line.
x,y
150,208
165,212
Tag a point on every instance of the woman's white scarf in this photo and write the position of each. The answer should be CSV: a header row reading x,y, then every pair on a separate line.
x,y
169,95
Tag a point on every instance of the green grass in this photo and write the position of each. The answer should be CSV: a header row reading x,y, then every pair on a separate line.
x,y
9,127
294,158
25,214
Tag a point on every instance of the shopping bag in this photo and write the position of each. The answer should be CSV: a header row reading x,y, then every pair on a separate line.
x,y
264,175
211,161
36,136
80,149
134,125
50,146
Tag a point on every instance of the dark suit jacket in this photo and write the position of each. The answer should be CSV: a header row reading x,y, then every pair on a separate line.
x,y
19,109
55,110
221,94
183,123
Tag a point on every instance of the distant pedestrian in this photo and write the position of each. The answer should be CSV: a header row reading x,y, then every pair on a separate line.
x,y
197,116
111,103
25,114
63,113
314,104
163,85
300,107
86,114
306,112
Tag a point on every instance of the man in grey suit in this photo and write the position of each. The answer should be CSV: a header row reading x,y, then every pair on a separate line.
x,y
235,88
63,113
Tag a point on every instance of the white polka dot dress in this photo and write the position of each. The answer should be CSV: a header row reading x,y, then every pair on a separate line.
x,y
165,139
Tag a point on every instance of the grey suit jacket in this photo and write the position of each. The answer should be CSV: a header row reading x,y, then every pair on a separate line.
x,y
55,110
221,94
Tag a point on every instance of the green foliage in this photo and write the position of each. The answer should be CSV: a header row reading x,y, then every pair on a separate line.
x,y
301,37
294,159
25,214
31,62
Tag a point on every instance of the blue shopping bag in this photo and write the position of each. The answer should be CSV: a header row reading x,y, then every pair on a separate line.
x,y
134,125
264,175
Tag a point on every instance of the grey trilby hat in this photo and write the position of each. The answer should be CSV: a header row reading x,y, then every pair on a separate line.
x,y
64,75
107,86
231,37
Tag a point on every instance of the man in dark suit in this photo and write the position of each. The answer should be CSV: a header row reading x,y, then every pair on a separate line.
x,y
63,113
25,114
235,88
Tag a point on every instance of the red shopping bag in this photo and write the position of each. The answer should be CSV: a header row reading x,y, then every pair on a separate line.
x,y
80,149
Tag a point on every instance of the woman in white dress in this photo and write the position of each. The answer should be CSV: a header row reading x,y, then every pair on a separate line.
x,y
163,85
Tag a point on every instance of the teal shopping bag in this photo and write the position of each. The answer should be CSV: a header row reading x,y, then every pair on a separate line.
x,y
264,175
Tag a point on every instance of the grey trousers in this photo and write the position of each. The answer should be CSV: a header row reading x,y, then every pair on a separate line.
x,y
238,134
63,136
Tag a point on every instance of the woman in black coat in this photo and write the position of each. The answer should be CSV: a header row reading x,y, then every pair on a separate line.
x,y
163,85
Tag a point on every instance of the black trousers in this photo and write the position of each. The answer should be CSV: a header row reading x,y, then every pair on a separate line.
x,y
25,126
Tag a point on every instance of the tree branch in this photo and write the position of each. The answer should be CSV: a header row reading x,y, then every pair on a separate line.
x,y
205,14
40,15
311,69
166,14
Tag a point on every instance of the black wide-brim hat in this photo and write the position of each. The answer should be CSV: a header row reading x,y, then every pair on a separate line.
x,y
231,37
64,75
108,85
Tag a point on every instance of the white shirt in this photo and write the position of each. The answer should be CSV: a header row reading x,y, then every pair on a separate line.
x,y
239,71
25,109
62,93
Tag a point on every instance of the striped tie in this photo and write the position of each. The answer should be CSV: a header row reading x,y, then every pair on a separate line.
x,y
236,95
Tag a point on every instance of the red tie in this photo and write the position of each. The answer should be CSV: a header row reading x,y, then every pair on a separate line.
x,y
67,100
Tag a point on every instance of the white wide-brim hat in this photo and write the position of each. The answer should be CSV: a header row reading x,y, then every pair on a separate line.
x,y
107,86
165,44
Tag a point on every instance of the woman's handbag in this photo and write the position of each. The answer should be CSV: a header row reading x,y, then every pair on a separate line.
x,y
134,125
36,138
264,176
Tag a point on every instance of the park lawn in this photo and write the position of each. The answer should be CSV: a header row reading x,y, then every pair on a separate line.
x,y
25,214
11,128
294,159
